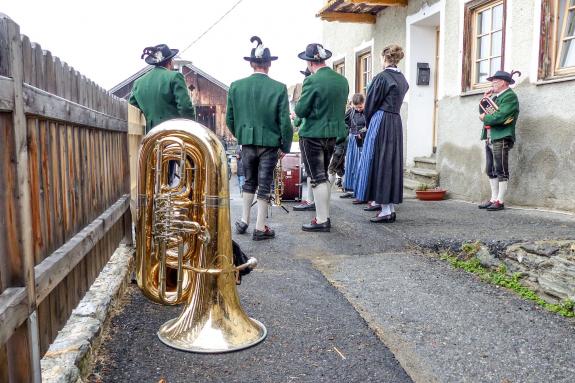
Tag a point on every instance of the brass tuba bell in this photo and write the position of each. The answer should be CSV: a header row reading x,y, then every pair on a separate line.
x,y
184,244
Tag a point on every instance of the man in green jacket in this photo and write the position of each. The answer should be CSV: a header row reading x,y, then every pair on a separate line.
x,y
161,94
322,104
499,134
258,116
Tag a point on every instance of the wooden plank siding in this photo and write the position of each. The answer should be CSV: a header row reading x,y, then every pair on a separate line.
x,y
64,195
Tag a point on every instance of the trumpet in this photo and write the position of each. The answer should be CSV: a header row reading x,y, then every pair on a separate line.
x,y
487,105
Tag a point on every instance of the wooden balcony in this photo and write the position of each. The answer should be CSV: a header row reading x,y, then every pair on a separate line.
x,y
356,11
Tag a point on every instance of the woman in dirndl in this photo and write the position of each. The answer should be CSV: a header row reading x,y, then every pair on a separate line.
x,y
355,122
385,95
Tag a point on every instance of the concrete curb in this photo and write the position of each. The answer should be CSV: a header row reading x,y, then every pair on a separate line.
x,y
67,360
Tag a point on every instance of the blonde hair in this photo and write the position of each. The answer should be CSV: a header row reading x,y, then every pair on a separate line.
x,y
392,54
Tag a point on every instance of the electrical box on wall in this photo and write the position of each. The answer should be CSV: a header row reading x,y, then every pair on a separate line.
x,y
423,73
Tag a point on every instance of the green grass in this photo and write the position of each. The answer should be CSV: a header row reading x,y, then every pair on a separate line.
x,y
500,277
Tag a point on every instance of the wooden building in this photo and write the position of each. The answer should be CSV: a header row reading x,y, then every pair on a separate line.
x,y
209,95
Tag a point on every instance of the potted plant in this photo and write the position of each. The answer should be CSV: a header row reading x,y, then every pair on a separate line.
x,y
425,193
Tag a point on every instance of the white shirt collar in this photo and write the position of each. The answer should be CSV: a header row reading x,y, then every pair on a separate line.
x,y
500,93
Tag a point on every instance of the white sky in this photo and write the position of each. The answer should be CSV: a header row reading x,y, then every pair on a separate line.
x,y
104,39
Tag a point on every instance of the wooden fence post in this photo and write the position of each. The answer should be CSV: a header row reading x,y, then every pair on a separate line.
x,y
23,346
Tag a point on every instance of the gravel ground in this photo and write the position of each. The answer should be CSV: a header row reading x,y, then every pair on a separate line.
x,y
443,325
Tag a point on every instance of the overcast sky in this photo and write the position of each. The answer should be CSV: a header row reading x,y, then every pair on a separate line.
x,y
104,39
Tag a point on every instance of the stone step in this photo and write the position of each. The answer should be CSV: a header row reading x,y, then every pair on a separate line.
x,y
429,177
425,162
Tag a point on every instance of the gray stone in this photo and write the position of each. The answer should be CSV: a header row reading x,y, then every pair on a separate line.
x,y
486,258
546,250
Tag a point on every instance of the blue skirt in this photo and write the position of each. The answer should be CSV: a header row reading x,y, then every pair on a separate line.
x,y
351,163
364,167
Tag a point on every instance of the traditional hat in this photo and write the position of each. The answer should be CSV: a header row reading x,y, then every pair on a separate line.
x,y
159,54
315,52
260,54
305,72
502,75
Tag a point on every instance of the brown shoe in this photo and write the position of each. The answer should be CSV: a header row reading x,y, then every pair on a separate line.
x,y
496,206
485,204
372,207
320,227
260,235
385,219
305,206
358,202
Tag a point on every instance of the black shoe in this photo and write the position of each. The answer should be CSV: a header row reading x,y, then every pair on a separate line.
x,y
305,206
372,207
241,226
496,206
485,204
260,235
385,219
347,195
319,227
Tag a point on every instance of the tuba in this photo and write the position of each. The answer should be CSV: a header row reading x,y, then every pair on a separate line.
x,y
183,242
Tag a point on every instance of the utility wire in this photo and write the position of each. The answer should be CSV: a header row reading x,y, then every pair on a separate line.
x,y
211,26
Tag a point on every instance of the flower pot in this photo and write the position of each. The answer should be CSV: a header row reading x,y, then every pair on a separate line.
x,y
431,194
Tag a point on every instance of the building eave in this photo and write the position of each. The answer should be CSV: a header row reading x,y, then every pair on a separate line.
x,y
356,11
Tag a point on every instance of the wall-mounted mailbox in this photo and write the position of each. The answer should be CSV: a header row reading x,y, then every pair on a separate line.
x,y
423,73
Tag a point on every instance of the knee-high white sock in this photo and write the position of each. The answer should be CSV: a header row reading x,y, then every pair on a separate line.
x,y
321,195
331,180
494,183
309,190
392,208
502,191
385,210
262,214
248,199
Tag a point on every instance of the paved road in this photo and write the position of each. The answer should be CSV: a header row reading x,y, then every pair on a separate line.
x,y
443,325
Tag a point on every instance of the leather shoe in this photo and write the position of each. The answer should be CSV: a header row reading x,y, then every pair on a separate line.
x,y
485,204
347,195
260,235
241,226
372,207
319,227
305,206
358,202
385,219
496,206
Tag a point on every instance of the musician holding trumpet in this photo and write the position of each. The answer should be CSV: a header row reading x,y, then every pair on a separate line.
x,y
499,110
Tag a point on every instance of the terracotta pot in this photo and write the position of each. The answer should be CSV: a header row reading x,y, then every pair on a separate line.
x,y
431,194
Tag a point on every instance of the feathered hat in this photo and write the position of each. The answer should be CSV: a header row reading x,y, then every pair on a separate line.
x,y
315,52
260,54
502,75
159,54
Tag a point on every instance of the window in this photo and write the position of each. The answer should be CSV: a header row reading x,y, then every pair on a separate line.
x,y
557,48
339,67
363,74
484,42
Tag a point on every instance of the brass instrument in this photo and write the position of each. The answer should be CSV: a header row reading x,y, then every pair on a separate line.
x,y
184,245
278,183
488,106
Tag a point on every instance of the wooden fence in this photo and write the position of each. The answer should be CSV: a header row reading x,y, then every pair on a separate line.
x,y
64,195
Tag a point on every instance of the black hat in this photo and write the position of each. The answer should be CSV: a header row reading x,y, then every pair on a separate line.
x,y
259,53
315,52
305,72
502,75
159,54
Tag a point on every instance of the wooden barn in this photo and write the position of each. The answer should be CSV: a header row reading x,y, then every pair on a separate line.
x,y
209,95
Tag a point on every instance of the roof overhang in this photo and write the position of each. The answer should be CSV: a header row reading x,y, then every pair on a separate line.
x,y
356,11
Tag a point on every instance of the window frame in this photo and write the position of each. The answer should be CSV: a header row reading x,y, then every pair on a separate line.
x,y
368,54
549,49
472,8
339,64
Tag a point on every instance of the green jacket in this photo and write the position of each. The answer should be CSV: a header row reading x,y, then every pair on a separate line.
x,y
503,121
322,104
258,112
162,95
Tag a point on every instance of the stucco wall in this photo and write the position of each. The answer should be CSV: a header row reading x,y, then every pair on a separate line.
x,y
542,163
